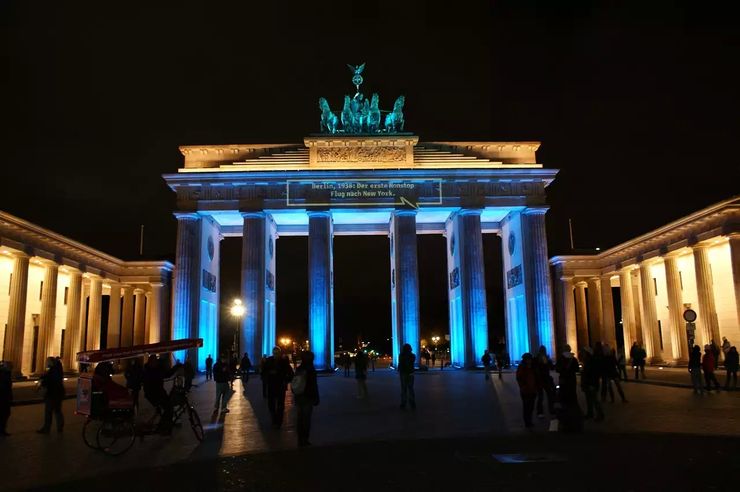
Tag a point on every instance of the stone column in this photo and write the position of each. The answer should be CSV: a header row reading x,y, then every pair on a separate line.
x,y
628,309
253,285
320,302
156,326
567,314
650,332
537,278
81,340
48,316
72,325
139,317
735,261
608,331
114,316
405,284
679,342
94,313
127,322
14,333
705,294
584,340
148,318
186,280
594,310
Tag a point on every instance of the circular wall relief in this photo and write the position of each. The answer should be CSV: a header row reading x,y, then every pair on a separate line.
x,y
512,243
452,245
211,248
271,246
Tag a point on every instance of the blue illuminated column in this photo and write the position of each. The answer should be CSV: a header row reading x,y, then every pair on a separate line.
x,y
187,263
320,289
404,282
253,284
537,279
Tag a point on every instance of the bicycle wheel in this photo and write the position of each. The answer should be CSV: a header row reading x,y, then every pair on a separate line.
x,y
90,432
195,424
116,437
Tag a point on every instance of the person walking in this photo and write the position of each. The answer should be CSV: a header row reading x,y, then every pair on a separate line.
x,y
621,365
406,360
526,377
638,356
306,390
611,375
6,396
731,366
134,374
486,360
542,366
590,384
233,365
695,369
245,366
209,367
708,364
263,375
278,374
567,367
361,374
152,381
715,352
222,377
188,373
53,384
347,363
434,359
500,359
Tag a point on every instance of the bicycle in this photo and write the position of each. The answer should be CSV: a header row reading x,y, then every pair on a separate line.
x,y
180,405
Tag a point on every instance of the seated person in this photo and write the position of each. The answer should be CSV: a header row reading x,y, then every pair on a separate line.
x,y
115,396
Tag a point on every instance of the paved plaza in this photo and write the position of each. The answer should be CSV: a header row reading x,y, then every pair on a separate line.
x,y
460,422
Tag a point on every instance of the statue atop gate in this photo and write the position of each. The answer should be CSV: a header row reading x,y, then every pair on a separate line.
x,y
360,115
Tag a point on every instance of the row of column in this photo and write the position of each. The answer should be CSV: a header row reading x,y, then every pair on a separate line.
x,y
84,310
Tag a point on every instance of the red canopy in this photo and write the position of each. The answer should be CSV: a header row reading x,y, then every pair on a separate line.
x,y
138,350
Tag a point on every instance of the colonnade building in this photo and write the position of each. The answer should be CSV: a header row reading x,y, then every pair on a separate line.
x,y
693,263
59,297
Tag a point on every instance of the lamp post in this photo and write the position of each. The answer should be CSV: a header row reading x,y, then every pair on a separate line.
x,y
237,310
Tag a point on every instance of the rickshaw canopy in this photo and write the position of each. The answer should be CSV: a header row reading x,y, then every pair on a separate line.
x,y
94,356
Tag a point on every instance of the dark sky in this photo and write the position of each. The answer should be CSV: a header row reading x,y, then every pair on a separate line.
x,y
637,104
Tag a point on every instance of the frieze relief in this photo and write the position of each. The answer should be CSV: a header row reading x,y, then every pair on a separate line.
x,y
361,154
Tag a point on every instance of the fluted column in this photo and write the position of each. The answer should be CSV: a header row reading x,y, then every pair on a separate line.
x,y
253,285
628,309
80,341
139,317
679,342
14,334
650,332
94,313
72,324
48,316
705,294
320,302
735,261
186,280
405,284
568,332
114,317
127,317
608,331
594,310
156,317
584,340
148,318
537,278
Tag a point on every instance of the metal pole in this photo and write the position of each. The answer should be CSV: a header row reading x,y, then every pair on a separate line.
x,y
141,241
570,229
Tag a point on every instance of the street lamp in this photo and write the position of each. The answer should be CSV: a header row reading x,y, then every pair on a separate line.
x,y
237,310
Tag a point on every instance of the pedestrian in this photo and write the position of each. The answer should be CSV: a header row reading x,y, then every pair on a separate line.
x,y
590,377
373,358
427,356
245,366
542,365
638,356
222,377
708,364
188,373
612,375
361,374
263,375
725,346
6,396
621,365
406,360
278,374
486,360
347,363
434,358
731,366
526,377
695,369
153,383
567,367
305,386
501,359
52,383
134,374
715,352
209,367
233,365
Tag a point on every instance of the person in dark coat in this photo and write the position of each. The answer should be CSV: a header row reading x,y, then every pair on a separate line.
x,y
53,383
569,415
638,356
6,396
486,360
590,377
526,377
542,365
715,352
307,399
709,364
731,366
244,367
278,373
361,374
134,374
610,374
188,374
153,383
209,367
222,377
695,369
263,375
406,360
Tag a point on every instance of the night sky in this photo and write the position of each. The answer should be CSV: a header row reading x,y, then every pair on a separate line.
x,y
637,104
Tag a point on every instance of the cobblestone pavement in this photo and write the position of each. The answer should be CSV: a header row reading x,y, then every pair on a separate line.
x,y
453,406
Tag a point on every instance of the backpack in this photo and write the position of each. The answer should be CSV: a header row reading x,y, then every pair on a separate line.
x,y
298,384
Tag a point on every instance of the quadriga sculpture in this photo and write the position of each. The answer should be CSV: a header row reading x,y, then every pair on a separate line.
x,y
329,120
373,117
394,120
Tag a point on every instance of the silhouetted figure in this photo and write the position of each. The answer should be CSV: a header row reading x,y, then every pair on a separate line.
x,y
542,365
695,369
501,357
708,364
245,366
590,377
621,366
6,396
233,366
134,375
486,360
153,384
306,397
263,375
346,363
361,374
188,374
610,374
406,361
278,374
373,358
526,377
570,416
715,352
222,377
53,383
209,367
434,359
638,356
731,366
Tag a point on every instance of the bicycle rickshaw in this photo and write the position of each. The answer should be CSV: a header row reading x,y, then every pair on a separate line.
x,y
111,425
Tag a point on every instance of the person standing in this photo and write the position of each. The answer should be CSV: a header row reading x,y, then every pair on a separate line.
x,y
526,377
347,363
638,356
590,384
134,374
361,374
570,415
434,358
486,360
611,375
406,360
501,359
222,377
188,374
731,366
245,366
542,365
695,369
53,383
152,380
209,367
279,374
709,365
725,346
6,396
263,375
621,366
373,358
715,352
305,398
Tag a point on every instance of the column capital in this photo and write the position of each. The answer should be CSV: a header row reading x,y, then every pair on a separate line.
x,y
536,210
252,214
156,284
138,291
404,211
186,215
318,213
470,211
